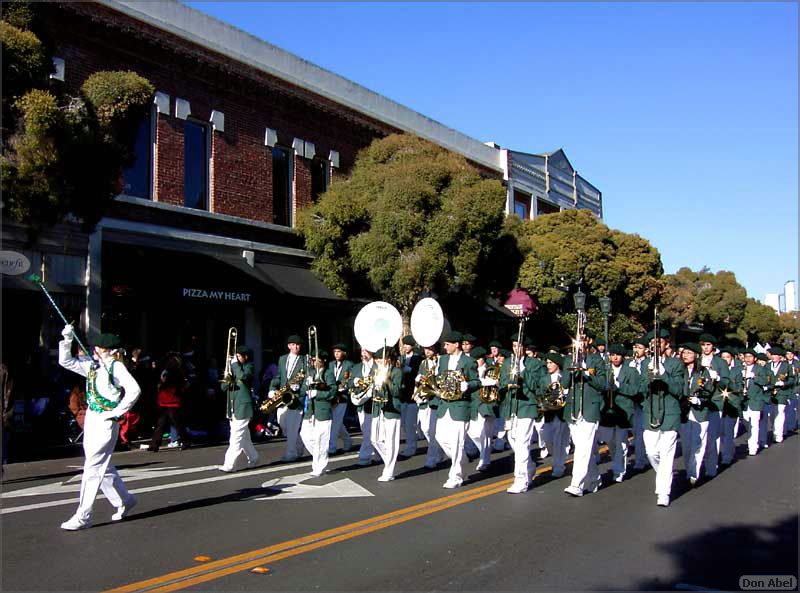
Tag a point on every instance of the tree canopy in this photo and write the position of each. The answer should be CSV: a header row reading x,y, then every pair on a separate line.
x,y
411,218
61,154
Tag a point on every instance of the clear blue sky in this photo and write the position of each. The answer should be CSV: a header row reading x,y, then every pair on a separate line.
x,y
684,115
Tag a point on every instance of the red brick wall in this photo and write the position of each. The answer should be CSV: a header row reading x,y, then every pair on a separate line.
x,y
168,163
302,184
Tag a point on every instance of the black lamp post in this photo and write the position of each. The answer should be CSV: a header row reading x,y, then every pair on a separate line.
x,y
580,300
605,308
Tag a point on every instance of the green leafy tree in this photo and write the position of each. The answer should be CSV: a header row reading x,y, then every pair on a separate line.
x,y
760,322
61,154
790,330
564,247
411,218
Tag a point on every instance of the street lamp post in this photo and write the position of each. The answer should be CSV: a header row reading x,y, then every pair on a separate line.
x,y
605,308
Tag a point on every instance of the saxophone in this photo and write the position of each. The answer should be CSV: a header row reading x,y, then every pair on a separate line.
x,y
284,396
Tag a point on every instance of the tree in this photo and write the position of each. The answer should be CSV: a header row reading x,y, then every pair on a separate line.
x,y
61,154
790,330
564,247
760,322
411,218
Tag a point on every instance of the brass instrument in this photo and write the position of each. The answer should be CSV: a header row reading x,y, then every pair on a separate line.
x,y
284,396
341,385
449,386
553,399
315,379
227,381
489,394
781,377
657,405
426,389
380,392
579,355
362,390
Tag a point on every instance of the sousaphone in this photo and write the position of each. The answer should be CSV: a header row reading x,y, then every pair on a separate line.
x,y
427,322
378,325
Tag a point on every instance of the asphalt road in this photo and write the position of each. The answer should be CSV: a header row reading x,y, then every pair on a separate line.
x,y
347,532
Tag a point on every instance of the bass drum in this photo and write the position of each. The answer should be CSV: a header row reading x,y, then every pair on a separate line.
x,y
427,322
378,324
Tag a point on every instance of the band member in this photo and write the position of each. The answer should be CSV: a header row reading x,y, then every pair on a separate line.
x,y
386,411
409,363
111,391
756,398
342,369
791,405
698,389
663,387
467,344
640,457
518,383
291,372
453,415
624,383
729,400
317,393
499,435
494,351
780,382
532,356
554,431
582,414
239,409
718,372
426,415
482,414
360,373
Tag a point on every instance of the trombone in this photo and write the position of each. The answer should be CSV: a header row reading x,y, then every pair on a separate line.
x,y
657,406
227,381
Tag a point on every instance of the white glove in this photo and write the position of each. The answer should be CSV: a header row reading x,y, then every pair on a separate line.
x,y
295,387
778,383
68,332
488,382
713,374
271,393
464,386
583,365
417,378
694,400
234,359
312,393
587,374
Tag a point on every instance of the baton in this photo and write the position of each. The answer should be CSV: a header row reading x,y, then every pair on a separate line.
x,y
38,281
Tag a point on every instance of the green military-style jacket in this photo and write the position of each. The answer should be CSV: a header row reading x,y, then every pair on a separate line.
x,y
282,378
480,408
341,377
620,414
756,395
663,395
698,384
358,373
460,409
390,391
520,401
239,399
731,405
318,407
545,379
422,370
723,383
585,398
780,395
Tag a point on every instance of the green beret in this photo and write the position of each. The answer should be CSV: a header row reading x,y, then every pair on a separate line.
x,y
553,349
707,338
408,340
590,334
693,346
294,339
748,351
478,352
245,351
600,342
528,342
505,352
496,344
762,356
642,340
468,338
662,333
452,336
732,350
109,341
339,346
323,354
380,353
617,349
776,350
556,358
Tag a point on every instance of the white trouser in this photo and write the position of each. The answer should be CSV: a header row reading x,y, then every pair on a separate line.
x,y
753,420
713,443
538,424
366,450
386,440
694,435
408,413
519,437
289,421
584,468
617,441
777,414
338,430
640,455
479,432
316,435
99,439
450,435
728,447
736,427
660,447
500,434
239,443
555,436
426,417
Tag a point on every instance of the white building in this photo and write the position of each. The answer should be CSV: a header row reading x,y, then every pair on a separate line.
x,y
773,299
790,295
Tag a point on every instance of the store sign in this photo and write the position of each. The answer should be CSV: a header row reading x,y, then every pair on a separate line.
x,y
205,294
13,263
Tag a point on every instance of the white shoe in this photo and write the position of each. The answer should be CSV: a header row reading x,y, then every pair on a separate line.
x,y
543,453
662,500
227,470
692,481
451,484
618,479
573,490
174,445
75,523
124,510
386,478
517,488
594,487
316,474
482,467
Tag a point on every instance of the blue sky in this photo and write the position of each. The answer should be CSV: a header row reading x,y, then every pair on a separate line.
x,y
685,115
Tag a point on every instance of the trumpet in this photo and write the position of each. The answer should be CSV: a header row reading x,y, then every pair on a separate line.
x,y
227,381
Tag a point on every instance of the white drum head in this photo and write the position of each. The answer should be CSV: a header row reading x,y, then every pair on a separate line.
x,y
378,323
427,322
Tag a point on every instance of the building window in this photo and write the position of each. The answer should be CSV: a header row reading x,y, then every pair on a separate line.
x,y
138,178
522,205
195,165
320,178
281,186
546,207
